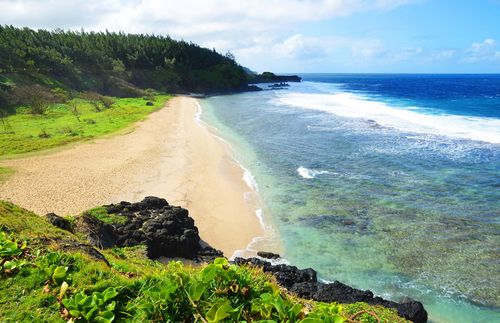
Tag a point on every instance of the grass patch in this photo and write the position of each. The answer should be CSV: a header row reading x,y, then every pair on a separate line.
x,y
23,132
101,214
41,281
5,172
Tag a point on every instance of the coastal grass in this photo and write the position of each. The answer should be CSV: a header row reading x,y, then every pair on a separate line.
x,y
46,275
23,132
5,172
102,214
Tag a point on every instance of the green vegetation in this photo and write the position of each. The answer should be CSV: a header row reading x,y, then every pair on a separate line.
x,y
76,120
60,86
5,172
114,64
101,214
55,280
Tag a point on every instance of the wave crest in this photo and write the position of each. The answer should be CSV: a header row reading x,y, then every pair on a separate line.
x,y
412,119
310,173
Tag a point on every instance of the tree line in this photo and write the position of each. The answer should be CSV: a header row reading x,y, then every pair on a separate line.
x,y
110,63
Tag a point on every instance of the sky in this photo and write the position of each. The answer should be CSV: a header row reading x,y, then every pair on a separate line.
x,y
344,36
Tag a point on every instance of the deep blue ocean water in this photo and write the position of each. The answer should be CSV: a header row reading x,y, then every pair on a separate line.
x,y
384,182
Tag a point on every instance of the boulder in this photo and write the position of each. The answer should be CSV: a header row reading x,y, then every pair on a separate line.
x,y
59,221
99,234
267,255
166,230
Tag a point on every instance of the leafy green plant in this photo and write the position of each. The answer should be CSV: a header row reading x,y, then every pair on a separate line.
x,y
219,312
97,307
325,313
54,266
10,250
9,247
272,305
159,300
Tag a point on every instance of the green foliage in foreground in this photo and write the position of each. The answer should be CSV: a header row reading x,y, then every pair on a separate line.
x,y
55,283
64,123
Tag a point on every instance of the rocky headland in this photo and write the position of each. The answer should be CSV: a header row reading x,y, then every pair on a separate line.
x,y
268,77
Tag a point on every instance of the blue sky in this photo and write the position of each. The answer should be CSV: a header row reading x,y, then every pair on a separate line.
x,y
423,36
440,36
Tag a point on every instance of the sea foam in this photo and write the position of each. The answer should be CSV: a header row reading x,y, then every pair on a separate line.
x,y
310,173
199,111
351,105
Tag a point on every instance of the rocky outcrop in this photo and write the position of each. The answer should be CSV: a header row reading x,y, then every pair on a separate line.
x,y
268,255
59,221
268,77
304,283
99,234
166,230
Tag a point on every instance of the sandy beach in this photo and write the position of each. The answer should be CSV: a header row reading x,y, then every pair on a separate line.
x,y
170,155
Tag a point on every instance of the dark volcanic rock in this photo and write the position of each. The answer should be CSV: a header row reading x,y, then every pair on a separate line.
x,y
268,77
99,234
88,249
59,222
252,88
268,255
208,254
166,230
304,283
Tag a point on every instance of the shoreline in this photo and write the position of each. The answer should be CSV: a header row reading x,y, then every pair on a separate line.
x,y
269,240
169,154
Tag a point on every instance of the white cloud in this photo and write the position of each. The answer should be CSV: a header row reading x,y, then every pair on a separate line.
x,y
374,49
368,50
443,54
190,19
487,50
389,4
251,29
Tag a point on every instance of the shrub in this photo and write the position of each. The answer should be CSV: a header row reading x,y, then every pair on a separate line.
x,y
96,307
37,97
44,134
97,100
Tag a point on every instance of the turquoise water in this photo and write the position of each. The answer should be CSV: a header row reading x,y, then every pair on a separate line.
x,y
378,190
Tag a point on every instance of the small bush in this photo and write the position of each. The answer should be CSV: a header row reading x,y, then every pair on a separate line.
x,y
44,134
68,131
97,100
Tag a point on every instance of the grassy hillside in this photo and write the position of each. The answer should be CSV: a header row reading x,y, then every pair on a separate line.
x,y
51,275
75,120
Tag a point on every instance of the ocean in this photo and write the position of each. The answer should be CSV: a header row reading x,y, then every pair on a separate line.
x,y
384,182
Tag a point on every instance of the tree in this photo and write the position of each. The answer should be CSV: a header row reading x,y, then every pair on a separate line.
x,y
37,97
88,60
97,100
73,105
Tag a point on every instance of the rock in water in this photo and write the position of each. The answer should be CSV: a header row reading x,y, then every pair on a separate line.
x,y
304,283
268,255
